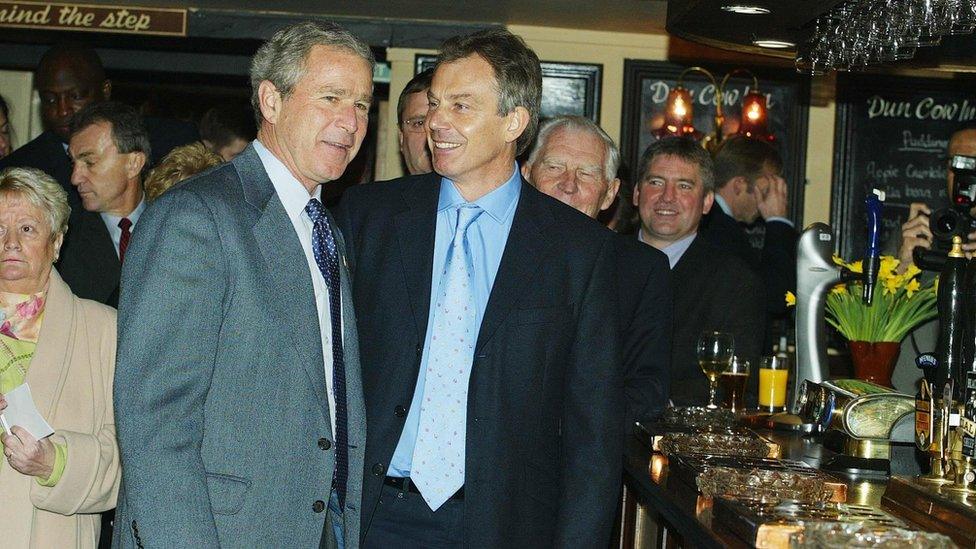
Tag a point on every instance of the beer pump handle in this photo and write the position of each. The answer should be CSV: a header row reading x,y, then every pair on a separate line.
x,y
872,255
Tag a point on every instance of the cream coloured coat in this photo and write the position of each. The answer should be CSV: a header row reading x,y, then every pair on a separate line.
x,y
70,377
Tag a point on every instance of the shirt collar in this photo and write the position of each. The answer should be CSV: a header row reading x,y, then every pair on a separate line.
x,y
293,195
674,250
723,204
133,216
498,204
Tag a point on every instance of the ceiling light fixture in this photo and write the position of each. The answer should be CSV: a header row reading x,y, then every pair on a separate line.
x,y
745,10
775,44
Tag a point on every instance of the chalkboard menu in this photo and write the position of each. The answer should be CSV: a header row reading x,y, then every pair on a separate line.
x,y
892,134
646,87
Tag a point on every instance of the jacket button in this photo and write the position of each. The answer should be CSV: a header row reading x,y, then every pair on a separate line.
x,y
378,469
420,350
400,411
324,444
318,506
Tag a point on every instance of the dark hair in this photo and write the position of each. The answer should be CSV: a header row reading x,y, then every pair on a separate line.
x,y
4,108
516,69
419,83
82,56
128,131
222,125
741,156
684,148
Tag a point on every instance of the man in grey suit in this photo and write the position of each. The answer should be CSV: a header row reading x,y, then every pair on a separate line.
x,y
238,391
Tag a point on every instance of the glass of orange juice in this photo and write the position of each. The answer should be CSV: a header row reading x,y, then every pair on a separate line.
x,y
774,372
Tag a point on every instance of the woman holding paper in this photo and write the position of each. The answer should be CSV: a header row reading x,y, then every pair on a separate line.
x,y
63,349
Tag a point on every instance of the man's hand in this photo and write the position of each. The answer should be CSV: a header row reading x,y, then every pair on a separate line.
x,y
26,454
772,197
914,233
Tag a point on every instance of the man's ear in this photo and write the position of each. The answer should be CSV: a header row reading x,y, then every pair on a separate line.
x,y
739,184
612,188
636,199
526,170
107,89
518,120
134,164
269,100
707,202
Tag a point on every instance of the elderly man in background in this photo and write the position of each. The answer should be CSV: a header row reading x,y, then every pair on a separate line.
x,y
576,162
713,289
52,489
110,149
411,112
68,78
241,418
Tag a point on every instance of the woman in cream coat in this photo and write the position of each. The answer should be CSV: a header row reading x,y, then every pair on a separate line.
x,y
63,347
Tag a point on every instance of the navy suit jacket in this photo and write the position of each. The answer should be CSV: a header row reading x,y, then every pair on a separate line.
x,y
545,413
775,263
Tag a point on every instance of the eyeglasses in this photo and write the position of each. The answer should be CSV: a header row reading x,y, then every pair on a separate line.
x,y
414,125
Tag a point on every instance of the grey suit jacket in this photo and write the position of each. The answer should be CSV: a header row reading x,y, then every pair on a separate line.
x,y
220,383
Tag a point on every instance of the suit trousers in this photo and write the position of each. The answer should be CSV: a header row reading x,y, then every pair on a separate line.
x,y
403,519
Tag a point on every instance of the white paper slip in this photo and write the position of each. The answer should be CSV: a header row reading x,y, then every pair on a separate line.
x,y
21,412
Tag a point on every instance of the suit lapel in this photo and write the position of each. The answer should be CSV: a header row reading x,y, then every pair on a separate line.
x,y
290,293
49,366
415,233
524,253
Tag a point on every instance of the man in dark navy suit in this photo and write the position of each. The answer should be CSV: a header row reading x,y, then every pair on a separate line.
x,y
490,349
576,162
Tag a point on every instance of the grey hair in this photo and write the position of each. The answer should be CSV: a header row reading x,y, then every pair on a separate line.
x,y
282,59
579,123
41,190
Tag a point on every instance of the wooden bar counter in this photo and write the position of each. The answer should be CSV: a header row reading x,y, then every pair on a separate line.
x,y
664,508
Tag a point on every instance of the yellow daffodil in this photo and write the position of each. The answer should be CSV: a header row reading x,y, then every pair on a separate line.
x,y
888,266
912,287
790,299
838,260
902,303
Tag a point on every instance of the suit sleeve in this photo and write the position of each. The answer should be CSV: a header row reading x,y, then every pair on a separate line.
x,y
647,338
778,264
90,481
592,443
747,323
173,284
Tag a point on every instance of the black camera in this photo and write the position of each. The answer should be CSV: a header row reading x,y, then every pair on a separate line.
x,y
955,220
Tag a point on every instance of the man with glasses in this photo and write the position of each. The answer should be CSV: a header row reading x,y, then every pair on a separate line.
x,y
411,112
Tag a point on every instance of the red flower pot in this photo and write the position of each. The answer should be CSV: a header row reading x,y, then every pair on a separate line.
x,y
874,361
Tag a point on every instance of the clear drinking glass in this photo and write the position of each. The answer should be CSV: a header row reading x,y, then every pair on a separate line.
x,y
733,382
715,352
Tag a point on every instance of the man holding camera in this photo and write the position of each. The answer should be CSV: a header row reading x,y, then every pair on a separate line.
x,y
917,233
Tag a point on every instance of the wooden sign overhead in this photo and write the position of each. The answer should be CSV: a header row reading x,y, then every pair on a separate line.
x,y
93,18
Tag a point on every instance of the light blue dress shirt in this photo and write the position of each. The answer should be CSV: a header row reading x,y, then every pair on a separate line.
x,y
487,237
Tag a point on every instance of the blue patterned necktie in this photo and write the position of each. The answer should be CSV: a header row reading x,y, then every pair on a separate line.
x,y
438,455
327,257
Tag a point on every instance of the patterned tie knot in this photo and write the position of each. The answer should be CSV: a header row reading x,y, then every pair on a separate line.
x,y
467,214
315,210
125,224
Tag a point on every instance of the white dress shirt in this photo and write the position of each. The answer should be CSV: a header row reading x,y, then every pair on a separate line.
x,y
112,222
294,197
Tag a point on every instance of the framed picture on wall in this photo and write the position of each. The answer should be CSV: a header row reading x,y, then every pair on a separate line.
x,y
567,88
646,87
